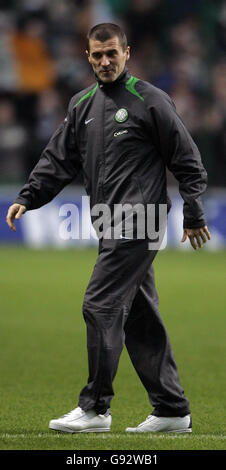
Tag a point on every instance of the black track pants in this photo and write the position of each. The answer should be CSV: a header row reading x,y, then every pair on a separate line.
x,y
121,307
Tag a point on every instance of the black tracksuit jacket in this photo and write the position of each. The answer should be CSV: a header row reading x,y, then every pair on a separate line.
x,y
123,156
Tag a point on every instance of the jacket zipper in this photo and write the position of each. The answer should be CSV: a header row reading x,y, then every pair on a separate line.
x,y
103,154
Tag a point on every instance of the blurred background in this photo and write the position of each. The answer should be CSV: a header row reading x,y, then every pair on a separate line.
x,y
179,46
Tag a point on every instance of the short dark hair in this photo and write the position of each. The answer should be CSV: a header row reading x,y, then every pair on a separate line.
x,y
104,31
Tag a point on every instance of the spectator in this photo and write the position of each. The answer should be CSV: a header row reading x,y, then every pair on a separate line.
x,y
49,113
13,142
35,66
8,75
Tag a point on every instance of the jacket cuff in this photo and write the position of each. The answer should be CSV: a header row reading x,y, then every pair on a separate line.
x,y
194,224
24,202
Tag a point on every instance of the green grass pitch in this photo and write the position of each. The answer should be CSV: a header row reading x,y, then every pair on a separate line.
x,y
44,360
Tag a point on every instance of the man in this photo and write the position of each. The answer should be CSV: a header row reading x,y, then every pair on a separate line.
x,y
122,133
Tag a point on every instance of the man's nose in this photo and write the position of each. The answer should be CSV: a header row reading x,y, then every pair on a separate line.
x,y
105,61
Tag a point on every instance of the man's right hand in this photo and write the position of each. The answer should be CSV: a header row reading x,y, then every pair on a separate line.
x,y
15,212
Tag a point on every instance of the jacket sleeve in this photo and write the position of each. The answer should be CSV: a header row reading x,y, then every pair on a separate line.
x,y
181,157
58,165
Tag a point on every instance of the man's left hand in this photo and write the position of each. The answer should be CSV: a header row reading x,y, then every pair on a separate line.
x,y
197,236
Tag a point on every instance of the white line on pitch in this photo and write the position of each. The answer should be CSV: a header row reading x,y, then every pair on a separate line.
x,y
113,436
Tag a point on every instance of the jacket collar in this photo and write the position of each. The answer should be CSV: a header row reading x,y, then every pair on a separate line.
x,y
123,77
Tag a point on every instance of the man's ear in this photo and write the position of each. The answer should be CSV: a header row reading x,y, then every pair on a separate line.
x,y
127,52
88,55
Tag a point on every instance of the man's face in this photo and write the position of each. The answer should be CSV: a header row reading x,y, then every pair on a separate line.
x,y
107,58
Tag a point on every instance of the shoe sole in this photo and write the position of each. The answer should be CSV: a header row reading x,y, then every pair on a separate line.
x,y
175,430
181,430
72,431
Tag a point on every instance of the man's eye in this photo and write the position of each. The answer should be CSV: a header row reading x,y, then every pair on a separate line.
x,y
112,53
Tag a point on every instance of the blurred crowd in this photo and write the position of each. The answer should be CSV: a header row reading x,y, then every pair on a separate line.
x,y
179,46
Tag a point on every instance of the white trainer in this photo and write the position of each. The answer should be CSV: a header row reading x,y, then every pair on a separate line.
x,y
164,424
78,420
